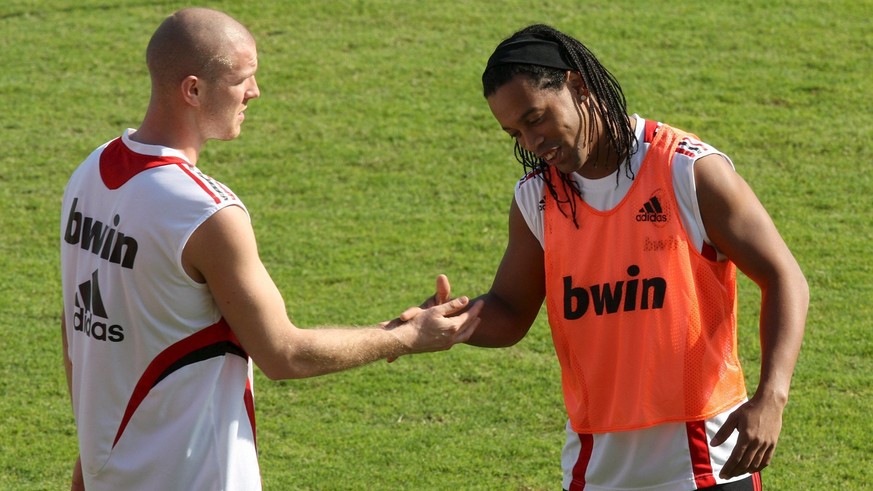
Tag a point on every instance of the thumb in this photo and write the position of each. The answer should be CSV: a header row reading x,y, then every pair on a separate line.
x,y
410,314
443,289
724,432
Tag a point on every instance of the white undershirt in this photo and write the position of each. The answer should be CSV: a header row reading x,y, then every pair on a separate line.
x,y
607,192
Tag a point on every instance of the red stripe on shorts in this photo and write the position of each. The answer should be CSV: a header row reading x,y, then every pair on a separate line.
x,y
756,481
586,447
698,449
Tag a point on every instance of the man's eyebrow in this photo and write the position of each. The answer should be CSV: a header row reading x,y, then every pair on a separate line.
x,y
523,116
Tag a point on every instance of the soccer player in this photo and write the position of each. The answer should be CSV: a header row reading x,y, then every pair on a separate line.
x,y
166,302
632,231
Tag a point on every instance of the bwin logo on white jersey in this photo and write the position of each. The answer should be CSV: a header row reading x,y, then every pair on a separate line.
x,y
89,312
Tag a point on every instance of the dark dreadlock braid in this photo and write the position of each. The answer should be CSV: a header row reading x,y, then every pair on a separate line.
x,y
609,108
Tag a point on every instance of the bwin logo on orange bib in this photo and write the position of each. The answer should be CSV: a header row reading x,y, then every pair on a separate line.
x,y
633,294
89,309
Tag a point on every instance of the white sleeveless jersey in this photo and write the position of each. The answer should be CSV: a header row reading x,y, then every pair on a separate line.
x,y
161,388
668,457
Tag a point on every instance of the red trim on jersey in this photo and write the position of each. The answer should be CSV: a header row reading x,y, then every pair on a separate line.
x,y
651,129
530,175
687,153
200,182
249,399
581,467
174,357
118,163
709,252
698,449
225,189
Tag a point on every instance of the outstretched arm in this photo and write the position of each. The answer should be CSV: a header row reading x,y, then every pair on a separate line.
x,y
740,227
223,254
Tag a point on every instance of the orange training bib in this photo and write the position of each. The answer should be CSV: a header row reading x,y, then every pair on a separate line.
x,y
644,326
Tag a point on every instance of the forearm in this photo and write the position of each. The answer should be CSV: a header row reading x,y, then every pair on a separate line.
x,y
501,324
300,353
319,351
328,350
782,324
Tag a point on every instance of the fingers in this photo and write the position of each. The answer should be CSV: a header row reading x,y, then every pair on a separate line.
x,y
720,437
437,328
410,314
732,466
454,306
746,459
752,457
761,459
754,447
471,322
725,431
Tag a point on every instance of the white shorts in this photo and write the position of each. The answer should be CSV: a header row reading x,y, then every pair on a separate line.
x,y
667,457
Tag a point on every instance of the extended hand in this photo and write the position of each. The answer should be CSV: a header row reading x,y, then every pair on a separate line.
x,y
759,424
439,327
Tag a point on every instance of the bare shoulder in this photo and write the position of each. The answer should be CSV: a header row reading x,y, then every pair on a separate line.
x,y
714,173
722,193
224,238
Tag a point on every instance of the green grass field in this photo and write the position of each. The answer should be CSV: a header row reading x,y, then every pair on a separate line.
x,y
371,164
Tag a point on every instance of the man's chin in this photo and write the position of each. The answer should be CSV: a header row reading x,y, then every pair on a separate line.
x,y
227,137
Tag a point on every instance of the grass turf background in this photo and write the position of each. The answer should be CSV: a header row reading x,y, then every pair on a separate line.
x,y
371,163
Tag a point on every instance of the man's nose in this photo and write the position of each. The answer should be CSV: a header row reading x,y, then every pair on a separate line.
x,y
254,91
531,141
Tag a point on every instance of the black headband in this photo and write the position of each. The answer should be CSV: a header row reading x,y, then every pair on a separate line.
x,y
530,50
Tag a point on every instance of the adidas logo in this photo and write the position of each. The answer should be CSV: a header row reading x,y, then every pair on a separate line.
x,y
89,312
652,211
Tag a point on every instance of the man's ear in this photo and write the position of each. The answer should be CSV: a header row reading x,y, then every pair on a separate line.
x,y
577,85
190,88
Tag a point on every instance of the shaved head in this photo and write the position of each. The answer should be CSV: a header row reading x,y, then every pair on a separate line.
x,y
194,41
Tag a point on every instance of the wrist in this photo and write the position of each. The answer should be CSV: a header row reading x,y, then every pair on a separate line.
x,y
771,395
397,347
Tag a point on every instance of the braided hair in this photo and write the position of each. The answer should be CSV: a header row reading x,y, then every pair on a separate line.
x,y
608,106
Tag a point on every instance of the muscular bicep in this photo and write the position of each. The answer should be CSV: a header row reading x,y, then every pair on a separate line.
x,y
736,221
738,225
223,253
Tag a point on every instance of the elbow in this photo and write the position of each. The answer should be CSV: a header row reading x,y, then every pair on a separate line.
x,y
512,337
803,287
271,373
283,372
278,369
800,287
503,337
